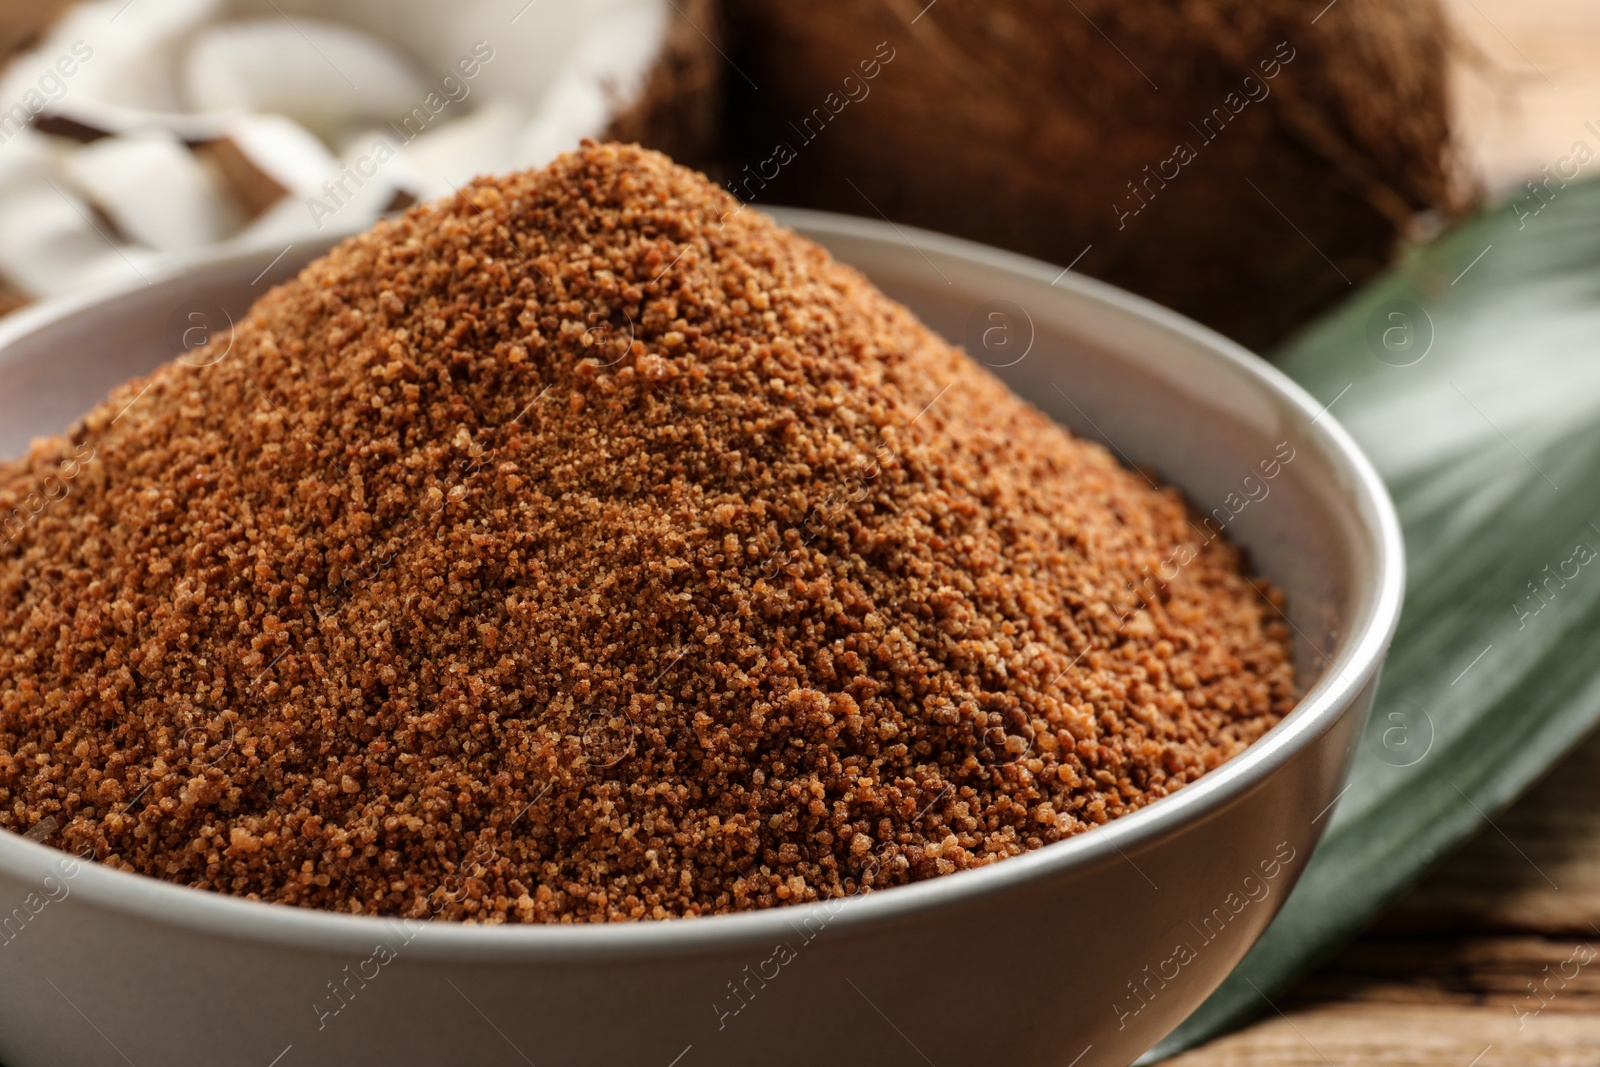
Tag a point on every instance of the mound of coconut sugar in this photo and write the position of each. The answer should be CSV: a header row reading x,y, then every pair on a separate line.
x,y
585,547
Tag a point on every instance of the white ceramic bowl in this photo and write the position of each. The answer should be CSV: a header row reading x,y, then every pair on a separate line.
x,y
1082,953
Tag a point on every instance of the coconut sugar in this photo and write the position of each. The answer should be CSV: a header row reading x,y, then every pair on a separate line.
x,y
585,547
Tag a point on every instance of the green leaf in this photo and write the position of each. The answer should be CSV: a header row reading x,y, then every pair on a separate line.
x,y
1490,444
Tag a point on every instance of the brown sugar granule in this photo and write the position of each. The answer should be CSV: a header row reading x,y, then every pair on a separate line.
x,y
585,547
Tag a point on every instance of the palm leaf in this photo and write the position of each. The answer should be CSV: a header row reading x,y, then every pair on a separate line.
x,y
1490,444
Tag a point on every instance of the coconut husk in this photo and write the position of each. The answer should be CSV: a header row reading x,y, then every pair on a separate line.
x,y
679,110
23,21
1022,123
12,298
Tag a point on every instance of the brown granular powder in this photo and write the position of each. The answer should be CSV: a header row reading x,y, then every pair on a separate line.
x,y
583,547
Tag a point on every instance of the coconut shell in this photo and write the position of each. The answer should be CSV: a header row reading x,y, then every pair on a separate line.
x,y
12,298
679,110
1030,124
23,21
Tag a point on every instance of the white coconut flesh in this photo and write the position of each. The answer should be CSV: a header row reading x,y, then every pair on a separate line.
x,y
138,132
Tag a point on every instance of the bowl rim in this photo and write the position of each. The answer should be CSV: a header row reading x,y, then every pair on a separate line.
x,y
1374,617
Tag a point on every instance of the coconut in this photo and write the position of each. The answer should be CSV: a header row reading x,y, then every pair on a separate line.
x,y
171,126
11,298
1243,162
21,23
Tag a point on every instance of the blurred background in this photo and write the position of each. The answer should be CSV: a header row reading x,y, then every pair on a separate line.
x,y
135,130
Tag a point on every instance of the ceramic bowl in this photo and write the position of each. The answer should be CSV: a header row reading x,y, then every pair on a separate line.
x,y
1080,954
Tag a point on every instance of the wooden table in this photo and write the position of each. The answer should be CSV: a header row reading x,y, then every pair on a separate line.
x,y
1483,965
1527,80
1494,961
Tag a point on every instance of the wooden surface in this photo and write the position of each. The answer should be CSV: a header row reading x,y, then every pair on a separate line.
x,y
1528,80
1482,964
1494,961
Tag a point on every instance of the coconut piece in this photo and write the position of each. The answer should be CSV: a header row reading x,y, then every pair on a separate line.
x,y
319,73
367,152
661,83
610,66
362,184
663,89
154,189
45,235
490,85
12,298
24,162
265,157
484,142
1229,158
577,107
287,221
678,107
371,179
27,158
50,243
125,75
